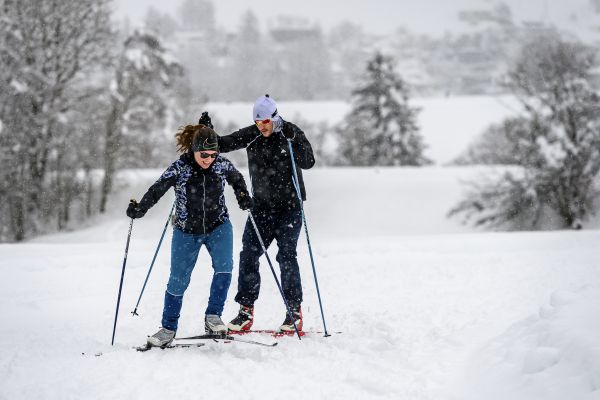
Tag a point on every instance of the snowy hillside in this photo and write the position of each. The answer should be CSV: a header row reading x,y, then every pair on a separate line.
x,y
429,309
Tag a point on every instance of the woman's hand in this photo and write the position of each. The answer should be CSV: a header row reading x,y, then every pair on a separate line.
x,y
134,211
245,201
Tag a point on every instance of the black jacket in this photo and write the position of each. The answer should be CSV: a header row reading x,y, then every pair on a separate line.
x,y
199,193
270,164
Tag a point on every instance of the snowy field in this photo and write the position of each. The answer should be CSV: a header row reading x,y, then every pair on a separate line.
x,y
428,309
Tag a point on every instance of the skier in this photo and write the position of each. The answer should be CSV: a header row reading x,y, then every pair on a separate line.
x,y
276,210
201,217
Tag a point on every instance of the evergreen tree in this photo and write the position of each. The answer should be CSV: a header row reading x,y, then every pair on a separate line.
x,y
248,77
381,128
198,15
159,23
307,77
349,48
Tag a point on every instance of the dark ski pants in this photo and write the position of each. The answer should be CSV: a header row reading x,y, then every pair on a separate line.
x,y
284,227
184,253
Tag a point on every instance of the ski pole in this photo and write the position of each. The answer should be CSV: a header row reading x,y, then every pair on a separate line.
x,y
122,276
134,312
274,274
312,261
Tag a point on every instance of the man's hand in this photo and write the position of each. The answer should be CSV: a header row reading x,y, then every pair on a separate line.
x,y
205,120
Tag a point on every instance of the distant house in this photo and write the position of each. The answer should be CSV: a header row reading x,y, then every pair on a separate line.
x,y
290,29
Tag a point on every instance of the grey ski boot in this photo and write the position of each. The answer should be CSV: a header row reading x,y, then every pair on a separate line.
x,y
213,325
162,338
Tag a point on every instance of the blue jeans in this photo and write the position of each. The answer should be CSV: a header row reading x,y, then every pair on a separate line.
x,y
184,253
284,227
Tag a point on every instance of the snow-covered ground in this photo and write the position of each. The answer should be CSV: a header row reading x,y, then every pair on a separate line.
x,y
428,309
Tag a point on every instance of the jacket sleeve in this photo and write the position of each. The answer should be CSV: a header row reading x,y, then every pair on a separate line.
x,y
238,139
303,153
160,187
236,180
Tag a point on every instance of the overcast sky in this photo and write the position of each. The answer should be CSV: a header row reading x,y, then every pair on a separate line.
x,y
377,16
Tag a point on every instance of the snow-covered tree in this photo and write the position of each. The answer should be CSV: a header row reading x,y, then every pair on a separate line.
x,y
140,99
159,23
48,50
350,49
558,151
381,128
248,77
197,15
497,145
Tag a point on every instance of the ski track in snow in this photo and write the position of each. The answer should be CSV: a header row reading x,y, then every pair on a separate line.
x,y
415,311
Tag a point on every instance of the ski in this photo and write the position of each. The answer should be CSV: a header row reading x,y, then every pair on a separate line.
x,y
147,347
226,338
278,333
272,332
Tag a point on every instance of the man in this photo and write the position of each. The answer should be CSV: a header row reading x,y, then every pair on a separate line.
x,y
276,209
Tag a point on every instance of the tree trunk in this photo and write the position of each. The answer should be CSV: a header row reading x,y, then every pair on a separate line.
x,y
88,192
17,218
110,154
107,182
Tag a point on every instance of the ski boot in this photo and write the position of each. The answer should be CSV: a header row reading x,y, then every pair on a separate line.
x,y
243,321
162,338
213,325
288,324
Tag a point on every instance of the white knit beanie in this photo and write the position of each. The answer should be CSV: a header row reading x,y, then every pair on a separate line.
x,y
266,108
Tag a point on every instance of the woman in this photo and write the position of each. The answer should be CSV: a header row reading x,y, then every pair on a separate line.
x,y
201,217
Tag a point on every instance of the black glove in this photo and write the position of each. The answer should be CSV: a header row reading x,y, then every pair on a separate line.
x,y
205,120
134,211
245,201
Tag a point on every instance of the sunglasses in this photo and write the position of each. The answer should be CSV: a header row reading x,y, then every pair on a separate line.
x,y
263,122
209,155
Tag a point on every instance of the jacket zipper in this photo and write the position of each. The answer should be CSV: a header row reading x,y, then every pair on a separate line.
x,y
204,204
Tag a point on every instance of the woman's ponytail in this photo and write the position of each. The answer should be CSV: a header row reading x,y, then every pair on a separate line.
x,y
185,137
